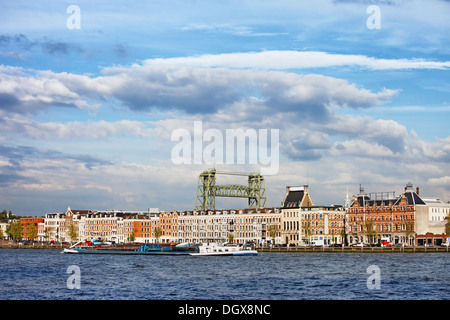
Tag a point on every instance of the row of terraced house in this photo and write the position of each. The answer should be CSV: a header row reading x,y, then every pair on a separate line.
x,y
366,218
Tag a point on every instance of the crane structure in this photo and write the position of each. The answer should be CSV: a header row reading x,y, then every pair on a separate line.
x,y
207,190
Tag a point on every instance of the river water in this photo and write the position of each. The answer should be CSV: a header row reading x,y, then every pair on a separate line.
x,y
35,274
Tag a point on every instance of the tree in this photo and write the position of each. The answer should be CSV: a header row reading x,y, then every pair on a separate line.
x,y
72,232
306,229
230,237
32,232
333,237
447,225
157,232
368,229
343,234
15,230
409,230
272,231
47,233
3,215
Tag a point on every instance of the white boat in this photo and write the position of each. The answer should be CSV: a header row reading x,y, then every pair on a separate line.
x,y
68,250
71,249
224,249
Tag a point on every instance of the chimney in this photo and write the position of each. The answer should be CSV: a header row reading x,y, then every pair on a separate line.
x,y
417,190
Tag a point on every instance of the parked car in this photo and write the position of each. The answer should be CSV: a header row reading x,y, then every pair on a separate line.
x,y
359,245
375,245
336,245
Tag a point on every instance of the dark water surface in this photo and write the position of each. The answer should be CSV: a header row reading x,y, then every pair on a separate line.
x,y
42,274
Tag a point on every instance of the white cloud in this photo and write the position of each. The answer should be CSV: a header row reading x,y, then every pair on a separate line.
x,y
18,124
283,60
360,148
441,181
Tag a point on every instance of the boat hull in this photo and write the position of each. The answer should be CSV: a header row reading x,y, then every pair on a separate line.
x,y
124,252
236,253
68,250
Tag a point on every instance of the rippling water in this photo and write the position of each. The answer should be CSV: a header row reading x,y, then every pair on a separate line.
x,y
41,274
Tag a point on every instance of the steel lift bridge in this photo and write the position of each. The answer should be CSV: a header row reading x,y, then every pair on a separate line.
x,y
207,190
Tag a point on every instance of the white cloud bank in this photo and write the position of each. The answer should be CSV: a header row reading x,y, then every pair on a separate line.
x,y
283,60
224,91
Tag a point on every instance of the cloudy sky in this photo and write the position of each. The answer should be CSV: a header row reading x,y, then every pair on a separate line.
x,y
89,100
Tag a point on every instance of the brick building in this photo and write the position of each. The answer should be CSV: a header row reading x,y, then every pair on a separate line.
x,y
27,223
377,217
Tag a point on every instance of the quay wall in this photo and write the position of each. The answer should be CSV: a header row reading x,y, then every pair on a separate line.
x,y
412,249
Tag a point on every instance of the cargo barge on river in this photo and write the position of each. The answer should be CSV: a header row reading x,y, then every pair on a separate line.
x,y
132,249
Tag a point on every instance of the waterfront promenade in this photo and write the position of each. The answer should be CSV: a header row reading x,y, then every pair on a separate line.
x,y
36,245
299,249
356,249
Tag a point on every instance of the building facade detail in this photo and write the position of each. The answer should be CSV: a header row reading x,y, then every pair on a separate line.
x,y
408,219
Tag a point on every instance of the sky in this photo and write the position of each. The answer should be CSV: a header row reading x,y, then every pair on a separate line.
x,y
92,93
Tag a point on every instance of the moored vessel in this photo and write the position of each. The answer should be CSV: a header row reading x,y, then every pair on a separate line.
x,y
143,249
224,249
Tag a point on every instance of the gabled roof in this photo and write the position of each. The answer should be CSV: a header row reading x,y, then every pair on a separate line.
x,y
80,212
296,197
412,198
362,200
293,199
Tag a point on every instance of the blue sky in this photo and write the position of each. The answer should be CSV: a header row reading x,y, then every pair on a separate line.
x,y
87,114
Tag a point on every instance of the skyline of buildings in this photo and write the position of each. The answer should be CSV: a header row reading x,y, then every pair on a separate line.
x,y
366,218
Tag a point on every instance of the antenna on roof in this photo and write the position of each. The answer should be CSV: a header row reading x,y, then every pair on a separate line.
x,y
347,200
307,179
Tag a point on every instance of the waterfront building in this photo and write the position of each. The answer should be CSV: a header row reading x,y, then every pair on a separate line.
x,y
405,219
202,226
90,225
27,223
431,220
118,226
3,227
54,226
77,219
41,231
168,224
241,225
254,225
322,225
100,224
134,228
291,225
